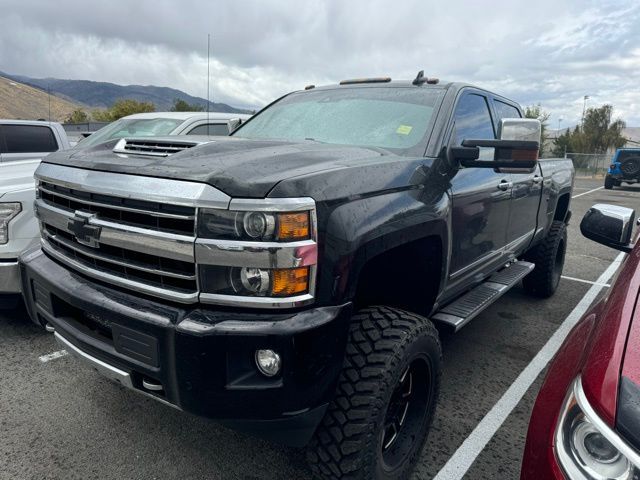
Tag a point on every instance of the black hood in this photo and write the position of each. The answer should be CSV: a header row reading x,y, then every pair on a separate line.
x,y
239,167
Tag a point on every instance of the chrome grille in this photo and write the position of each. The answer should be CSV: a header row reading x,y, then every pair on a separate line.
x,y
137,244
157,271
152,215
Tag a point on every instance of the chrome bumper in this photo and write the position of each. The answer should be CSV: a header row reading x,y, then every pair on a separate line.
x,y
101,367
10,277
109,371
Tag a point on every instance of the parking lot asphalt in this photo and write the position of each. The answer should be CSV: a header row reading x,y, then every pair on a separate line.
x,y
59,420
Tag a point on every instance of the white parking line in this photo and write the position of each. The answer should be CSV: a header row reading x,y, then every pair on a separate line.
x,y
589,282
53,356
460,462
589,191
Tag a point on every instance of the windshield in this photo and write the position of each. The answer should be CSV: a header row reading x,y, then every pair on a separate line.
x,y
394,118
130,127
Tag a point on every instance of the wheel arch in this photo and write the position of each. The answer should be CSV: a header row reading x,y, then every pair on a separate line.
x,y
400,271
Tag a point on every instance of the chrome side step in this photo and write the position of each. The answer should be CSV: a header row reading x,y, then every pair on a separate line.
x,y
461,311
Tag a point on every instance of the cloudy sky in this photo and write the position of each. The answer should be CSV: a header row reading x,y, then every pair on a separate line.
x,y
551,52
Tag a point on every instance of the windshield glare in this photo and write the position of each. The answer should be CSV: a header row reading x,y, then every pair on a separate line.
x,y
394,118
130,127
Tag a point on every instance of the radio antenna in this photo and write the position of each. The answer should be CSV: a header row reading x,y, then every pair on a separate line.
x,y
208,76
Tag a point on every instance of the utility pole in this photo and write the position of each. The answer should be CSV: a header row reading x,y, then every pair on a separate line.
x,y
559,122
584,109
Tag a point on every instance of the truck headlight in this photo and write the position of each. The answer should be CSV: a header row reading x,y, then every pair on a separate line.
x,y
258,253
7,212
586,447
254,226
259,282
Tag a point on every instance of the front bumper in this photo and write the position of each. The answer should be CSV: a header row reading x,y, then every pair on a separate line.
x,y
10,277
202,358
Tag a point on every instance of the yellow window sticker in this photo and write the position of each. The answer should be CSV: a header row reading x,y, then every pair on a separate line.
x,y
404,130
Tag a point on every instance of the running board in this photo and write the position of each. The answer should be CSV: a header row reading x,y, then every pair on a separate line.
x,y
461,311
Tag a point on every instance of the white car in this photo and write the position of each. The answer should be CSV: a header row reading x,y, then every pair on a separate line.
x,y
160,124
18,226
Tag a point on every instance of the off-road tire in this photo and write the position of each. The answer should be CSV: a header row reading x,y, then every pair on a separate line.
x,y
383,344
548,257
609,183
630,167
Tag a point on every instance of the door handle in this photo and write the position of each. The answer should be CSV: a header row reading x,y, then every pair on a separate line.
x,y
504,185
537,179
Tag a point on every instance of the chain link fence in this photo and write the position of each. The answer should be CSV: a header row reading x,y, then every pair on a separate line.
x,y
593,165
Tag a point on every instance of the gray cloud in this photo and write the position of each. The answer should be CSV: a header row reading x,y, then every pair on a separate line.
x,y
551,52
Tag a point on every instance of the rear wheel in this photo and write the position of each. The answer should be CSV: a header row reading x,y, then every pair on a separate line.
x,y
609,182
548,257
378,422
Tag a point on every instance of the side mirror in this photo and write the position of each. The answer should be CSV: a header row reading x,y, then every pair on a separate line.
x,y
233,124
609,225
516,149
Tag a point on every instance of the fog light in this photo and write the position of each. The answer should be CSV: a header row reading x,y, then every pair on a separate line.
x,y
268,362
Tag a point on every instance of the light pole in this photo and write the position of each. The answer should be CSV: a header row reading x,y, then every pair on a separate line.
x,y
559,122
584,109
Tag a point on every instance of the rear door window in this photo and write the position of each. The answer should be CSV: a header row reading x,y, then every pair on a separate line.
x,y
28,139
504,110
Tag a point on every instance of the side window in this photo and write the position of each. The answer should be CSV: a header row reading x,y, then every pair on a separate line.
x,y
504,110
219,129
472,119
29,139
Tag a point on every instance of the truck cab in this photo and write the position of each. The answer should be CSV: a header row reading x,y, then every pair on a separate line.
x,y
28,140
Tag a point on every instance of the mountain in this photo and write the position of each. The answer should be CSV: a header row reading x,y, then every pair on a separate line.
x,y
104,94
20,101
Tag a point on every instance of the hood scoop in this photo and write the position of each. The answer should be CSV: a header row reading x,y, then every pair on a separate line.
x,y
153,147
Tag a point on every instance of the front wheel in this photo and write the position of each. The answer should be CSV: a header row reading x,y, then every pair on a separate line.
x,y
548,257
386,396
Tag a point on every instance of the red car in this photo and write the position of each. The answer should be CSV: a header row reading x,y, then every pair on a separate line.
x,y
586,421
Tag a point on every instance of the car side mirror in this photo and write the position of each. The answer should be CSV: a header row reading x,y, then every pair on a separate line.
x,y
233,124
610,225
516,149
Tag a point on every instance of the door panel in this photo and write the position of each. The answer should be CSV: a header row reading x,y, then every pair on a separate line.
x,y
525,201
481,200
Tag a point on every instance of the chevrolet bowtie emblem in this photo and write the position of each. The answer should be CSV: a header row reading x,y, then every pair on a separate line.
x,y
85,234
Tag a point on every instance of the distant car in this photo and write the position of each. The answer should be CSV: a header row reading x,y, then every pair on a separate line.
x,y
29,140
160,124
23,143
586,420
625,167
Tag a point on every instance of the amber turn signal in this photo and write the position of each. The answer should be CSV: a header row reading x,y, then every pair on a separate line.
x,y
290,281
293,226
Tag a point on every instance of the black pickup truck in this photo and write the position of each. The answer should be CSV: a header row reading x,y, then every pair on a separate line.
x,y
287,280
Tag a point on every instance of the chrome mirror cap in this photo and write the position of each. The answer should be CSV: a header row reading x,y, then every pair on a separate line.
x,y
610,225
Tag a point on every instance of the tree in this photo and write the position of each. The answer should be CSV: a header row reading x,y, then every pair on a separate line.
x,y
77,116
597,134
183,106
122,108
536,112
